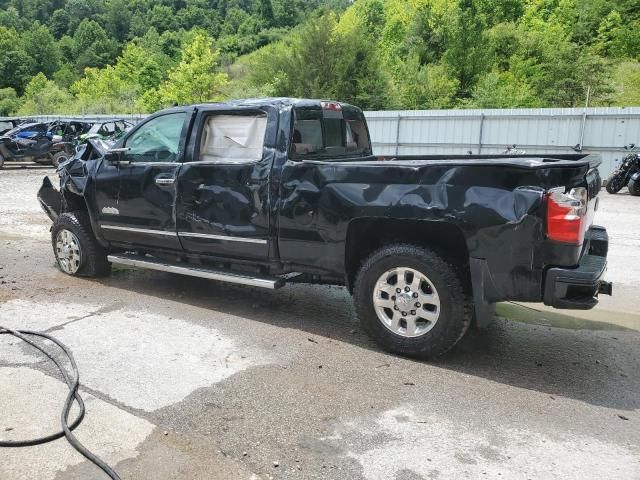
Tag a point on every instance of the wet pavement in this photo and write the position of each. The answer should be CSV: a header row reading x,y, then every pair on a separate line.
x,y
186,378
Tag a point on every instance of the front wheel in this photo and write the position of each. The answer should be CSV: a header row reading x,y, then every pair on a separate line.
x,y
76,249
615,181
59,158
411,301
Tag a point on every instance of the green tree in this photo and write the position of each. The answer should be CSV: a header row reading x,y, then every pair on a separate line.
x,y
118,19
424,86
265,11
9,101
103,91
284,12
16,66
10,18
465,53
503,90
44,96
626,84
59,22
92,46
197,78
40,45
618,38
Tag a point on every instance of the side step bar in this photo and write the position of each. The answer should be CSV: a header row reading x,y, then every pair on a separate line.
x,y
201,272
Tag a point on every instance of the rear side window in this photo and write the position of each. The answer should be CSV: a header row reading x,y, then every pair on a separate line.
x,y
319,133
233,138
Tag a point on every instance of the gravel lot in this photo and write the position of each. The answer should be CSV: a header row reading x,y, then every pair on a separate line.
x,y
186,379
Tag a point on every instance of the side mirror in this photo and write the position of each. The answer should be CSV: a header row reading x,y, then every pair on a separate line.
x,y
114,155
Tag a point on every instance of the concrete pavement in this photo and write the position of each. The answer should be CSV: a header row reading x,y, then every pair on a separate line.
x,y
186,378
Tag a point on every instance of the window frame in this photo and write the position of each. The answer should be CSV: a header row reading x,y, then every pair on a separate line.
x,y
181,143
201,121
348,114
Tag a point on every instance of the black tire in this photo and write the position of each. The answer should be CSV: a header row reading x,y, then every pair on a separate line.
x,y
1,160
615,182
456,307
93,257
634,184
58,158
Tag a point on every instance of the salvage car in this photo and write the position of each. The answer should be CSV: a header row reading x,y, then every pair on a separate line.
x,y
29,142
41,142
265,192
7,124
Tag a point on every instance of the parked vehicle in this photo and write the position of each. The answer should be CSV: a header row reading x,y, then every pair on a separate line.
x,y
65,134
7,124
42,142
621,176
265,192
513,150
29,142
107,130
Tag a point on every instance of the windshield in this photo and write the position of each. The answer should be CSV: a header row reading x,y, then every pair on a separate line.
x,y
328,134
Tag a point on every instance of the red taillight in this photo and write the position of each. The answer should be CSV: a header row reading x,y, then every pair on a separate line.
x,y
566,215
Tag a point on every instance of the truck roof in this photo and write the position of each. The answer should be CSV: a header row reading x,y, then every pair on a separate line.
x,y
268,101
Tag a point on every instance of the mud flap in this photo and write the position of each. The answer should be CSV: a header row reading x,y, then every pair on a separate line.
x,y
50,199
484,310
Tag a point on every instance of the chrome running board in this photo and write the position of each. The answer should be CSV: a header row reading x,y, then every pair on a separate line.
x,y
201,272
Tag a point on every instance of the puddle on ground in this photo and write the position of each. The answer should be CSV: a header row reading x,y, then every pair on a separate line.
x,y
598,319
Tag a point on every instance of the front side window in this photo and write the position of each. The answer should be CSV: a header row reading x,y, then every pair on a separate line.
x,y
158,140
233,138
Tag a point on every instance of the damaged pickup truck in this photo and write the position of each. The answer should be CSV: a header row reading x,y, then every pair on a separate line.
x,y
264,192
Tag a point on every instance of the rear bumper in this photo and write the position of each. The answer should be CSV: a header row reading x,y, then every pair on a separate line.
x,y
577,288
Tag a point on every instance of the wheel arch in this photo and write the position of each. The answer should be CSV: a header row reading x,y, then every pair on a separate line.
x,y
366,235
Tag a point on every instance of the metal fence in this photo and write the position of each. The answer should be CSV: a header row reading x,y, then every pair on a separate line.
x,y
547,130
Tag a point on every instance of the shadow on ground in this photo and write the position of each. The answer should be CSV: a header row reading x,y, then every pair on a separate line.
x,y
598,366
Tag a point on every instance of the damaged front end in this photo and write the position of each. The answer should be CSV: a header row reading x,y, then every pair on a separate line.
x,y
73,180
50,199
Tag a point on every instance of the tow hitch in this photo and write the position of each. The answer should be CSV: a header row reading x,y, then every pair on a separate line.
x,y
605,288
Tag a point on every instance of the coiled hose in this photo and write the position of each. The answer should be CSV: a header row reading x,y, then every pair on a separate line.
x,y
73,383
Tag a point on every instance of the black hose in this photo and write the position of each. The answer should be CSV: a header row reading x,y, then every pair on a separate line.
x,y
73,383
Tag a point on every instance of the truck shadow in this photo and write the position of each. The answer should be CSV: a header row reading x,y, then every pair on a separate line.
x,y
599,367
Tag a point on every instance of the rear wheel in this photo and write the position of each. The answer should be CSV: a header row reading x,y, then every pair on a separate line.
x,y
76,250
411,301
1,160
634,184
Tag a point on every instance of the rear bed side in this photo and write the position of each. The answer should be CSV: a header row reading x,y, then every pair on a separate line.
x,y
496,204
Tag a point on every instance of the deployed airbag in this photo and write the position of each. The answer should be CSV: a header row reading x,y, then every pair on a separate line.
x,y
233,138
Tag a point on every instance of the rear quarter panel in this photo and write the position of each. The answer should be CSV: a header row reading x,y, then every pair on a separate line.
x,y
496,207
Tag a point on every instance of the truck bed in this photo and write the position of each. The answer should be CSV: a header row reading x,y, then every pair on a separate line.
x,y
523,161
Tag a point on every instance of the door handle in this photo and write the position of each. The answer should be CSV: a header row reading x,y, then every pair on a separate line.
x,y
165,181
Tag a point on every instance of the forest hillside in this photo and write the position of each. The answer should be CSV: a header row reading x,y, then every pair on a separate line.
x,y
121,56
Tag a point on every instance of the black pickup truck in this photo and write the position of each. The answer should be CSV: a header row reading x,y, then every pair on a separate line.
x,y
264,192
